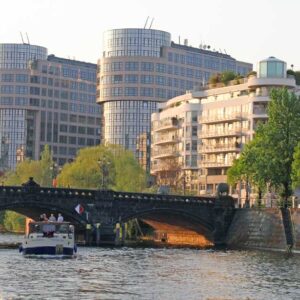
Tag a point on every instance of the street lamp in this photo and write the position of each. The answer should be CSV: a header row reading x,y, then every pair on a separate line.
x,y
53,170
104,167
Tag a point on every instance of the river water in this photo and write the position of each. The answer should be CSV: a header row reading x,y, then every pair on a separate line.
x,y
148,273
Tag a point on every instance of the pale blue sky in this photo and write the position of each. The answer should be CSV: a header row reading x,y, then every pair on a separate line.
x,y
248,30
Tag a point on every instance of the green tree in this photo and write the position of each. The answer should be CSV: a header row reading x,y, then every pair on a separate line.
x,y
40,170
270,155
14,222
110,164
296,167
282,134
227,76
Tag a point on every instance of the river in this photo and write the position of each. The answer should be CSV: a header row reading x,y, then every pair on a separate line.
x,y
149,273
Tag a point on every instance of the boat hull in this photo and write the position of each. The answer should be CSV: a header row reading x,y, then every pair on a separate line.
x,y
48,250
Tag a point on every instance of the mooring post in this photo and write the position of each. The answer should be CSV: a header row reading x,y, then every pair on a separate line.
x,y
123,233
98,234
88,230
117,234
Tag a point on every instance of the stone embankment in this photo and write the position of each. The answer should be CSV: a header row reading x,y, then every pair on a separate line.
x,y
264,229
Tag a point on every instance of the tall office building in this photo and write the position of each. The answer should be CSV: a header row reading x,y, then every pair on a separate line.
x,y
200,133
45,100
140,68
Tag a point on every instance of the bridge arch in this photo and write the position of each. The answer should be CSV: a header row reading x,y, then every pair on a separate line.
x,y
34,209
177,225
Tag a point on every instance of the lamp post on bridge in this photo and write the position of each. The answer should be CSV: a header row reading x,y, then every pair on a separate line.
x,y
104,164
53,169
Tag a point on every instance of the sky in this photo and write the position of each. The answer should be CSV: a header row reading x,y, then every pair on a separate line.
x,y
247,30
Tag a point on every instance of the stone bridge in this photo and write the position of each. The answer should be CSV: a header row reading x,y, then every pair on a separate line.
x,y
104,212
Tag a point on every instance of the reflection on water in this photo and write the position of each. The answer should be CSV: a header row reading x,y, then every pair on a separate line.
x,y
130,273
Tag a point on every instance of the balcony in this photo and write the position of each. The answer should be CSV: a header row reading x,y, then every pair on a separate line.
x,y
163,167
220,119
215,164
220,148
260,113
164,153
169,139
213,134
168,124
254,81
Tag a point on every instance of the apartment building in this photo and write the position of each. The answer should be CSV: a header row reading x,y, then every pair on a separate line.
x,y
140,68
45,100
226,120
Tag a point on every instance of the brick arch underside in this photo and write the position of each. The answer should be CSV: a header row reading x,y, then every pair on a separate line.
x,y
179,228
33,211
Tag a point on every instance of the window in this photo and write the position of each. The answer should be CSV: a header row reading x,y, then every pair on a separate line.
x,y
147,66
147,79
131,66
147,92
131,78
21,78
131,91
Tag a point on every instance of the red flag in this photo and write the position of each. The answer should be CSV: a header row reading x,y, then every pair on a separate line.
x,y
79,208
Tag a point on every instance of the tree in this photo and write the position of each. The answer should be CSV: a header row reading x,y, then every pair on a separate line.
x,y
227,76
40,170
85,172
296,167
270,154
42,173
112,165
282,134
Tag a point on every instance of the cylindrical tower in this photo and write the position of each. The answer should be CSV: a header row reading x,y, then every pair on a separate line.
x,y
128,86
17,56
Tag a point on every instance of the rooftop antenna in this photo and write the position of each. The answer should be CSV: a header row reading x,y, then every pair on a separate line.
x,y
146,22
22,37
151,23
27,39
179,39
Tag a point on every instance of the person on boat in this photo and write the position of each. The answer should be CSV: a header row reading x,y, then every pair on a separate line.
x,y
60,218
41,217
52,218
45,219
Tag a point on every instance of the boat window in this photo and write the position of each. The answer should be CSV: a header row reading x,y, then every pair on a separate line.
x,y
34,228
62,228
48,228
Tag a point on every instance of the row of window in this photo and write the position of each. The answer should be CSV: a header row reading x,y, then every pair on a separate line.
x,y
59,94
159,68
144,92
69,72
63,83
149,79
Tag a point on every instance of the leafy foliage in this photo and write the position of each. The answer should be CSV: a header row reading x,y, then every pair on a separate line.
x,y
296,74
40,170
296,167
14,222
112,164
269,157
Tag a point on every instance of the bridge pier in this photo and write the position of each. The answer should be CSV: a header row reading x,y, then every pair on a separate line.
x,y
223,215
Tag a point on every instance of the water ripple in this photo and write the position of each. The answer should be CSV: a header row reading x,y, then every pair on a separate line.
x,y
127,273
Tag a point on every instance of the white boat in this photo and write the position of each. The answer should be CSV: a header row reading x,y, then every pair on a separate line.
x,y
49,238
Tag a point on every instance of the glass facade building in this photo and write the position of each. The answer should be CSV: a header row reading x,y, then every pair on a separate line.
x,y
45,100
140,68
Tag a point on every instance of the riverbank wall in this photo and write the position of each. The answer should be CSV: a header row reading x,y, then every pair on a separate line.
x,y
263,229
